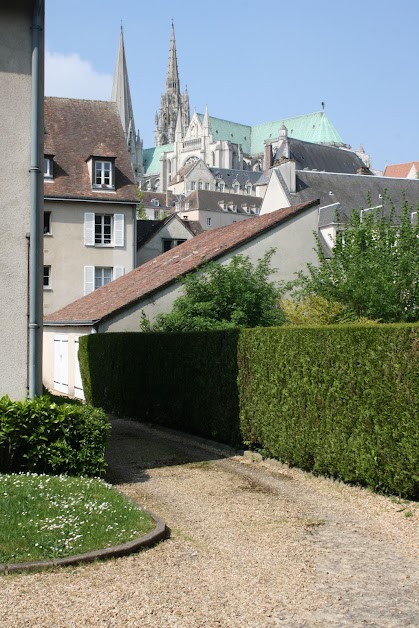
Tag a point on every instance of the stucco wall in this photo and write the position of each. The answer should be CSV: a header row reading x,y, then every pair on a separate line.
x,y
274,198
66,253
15,134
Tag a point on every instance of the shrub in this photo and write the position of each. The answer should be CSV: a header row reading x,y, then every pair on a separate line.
x,y
42,436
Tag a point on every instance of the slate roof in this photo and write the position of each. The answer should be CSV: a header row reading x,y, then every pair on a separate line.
x,y
400,170
74,131
166,268
242,176
310,156
160,196
209,200
350,191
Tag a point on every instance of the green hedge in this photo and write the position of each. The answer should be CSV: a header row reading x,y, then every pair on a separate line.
x,y
341,401
185,381
45,437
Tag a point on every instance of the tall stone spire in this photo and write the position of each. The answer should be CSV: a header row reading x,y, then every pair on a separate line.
x,y
121,95
172,81
171,101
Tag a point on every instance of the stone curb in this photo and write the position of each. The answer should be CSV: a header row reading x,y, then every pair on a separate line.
x,y
151,538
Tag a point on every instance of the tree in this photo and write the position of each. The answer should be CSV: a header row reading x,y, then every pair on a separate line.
x,y
141,212
219,296
374,269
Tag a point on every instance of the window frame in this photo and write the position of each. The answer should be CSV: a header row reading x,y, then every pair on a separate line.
x,y
47,276
102,184
49,170
103,239
209,222
104,281
47,223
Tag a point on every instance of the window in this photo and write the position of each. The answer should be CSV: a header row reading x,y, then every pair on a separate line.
x,y
103,275
156,214
221,187
48,167
199,185
193,186
104,229
236,188
186,206
103,175
47,223
47,277
155,202
248,189
209,222
98,276
170,244
207,186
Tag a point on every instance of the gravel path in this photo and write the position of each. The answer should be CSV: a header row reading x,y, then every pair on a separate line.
x,y
252,544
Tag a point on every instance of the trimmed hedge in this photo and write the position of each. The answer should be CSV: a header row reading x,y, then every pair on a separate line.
x,y
185,381
42,436
342,401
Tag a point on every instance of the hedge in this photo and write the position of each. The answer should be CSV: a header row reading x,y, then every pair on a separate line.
x,y
42,436
342,401
184,381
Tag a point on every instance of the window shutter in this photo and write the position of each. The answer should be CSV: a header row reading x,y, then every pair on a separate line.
x,y
118,271
118,223
89,229
89,279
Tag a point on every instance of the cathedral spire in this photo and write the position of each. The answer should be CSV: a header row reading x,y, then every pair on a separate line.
x,y
172,81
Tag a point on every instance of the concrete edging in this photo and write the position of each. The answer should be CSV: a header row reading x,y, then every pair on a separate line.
x,y
147,540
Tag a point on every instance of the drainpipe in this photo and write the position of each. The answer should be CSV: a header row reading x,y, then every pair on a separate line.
x,y
36,208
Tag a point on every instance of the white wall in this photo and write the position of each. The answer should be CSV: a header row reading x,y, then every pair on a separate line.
x,y
15,134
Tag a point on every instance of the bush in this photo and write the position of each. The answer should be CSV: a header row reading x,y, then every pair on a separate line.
x,y
186,381
42,436
342,401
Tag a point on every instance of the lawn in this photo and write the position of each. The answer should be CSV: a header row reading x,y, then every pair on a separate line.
x,y
44,517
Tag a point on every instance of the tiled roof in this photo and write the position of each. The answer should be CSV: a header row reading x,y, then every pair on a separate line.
x,y
74,131
208,200
151,158
165,269
310,156
160,196
400,170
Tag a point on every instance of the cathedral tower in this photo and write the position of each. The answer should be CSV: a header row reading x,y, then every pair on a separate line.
x,y
171,102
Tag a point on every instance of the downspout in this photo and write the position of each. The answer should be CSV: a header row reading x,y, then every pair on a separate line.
x,y
36,207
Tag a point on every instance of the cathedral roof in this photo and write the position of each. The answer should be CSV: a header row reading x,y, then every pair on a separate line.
x,y
152,156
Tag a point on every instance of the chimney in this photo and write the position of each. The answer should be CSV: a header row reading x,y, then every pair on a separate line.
x,y
169,197
287,169
268,157
363,170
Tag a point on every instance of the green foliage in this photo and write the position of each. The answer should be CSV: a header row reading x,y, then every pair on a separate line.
x,y
141,212
374,269
186,381
42,436
315,310
342,401
223,297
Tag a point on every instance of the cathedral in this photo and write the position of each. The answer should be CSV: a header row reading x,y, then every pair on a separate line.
x,y
220,145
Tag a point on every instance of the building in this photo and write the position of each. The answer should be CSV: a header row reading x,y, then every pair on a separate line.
x,y
155,237
409,170
21,132
214,209
152,287
90,200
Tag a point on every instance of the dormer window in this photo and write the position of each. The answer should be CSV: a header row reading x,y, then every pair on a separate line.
x,y
103,174
155,202
248,189
48,160
221,187
236,188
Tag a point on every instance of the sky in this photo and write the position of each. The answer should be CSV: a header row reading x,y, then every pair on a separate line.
x,y
252,62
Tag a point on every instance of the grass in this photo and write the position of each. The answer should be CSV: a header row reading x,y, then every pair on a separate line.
x,y
44,517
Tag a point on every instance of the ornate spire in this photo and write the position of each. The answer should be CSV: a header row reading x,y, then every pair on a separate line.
x,y
172,81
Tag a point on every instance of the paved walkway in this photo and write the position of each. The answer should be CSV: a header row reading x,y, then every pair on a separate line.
x,y
251,544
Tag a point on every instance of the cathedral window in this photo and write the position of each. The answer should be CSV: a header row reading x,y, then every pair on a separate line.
x,y
200,185
207,186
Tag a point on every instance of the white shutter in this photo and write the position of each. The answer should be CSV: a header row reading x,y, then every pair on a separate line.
x,y
118,271
89,279
118,225
89,229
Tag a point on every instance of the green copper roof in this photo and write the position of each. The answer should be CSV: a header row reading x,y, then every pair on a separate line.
x,y
151,157
312,127
232,131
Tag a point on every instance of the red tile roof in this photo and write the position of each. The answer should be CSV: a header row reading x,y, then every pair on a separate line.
x,y
168,267
400,170
74,131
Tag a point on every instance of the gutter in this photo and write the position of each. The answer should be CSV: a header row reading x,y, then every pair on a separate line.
x,y
36,203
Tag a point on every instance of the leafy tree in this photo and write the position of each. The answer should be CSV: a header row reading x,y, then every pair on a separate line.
x,y
374,270
141,212
221,296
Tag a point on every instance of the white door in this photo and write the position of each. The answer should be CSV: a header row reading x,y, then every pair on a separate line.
x,y
78,386
61,363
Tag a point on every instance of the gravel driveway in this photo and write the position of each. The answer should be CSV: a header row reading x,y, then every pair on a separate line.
x,y
252,544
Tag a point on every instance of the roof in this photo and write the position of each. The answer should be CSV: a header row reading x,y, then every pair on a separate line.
x,y
312,127
147,197
168,267
350,191
147,229
76,130
401,170
151,158
209,200
311,156
229,175
234,132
